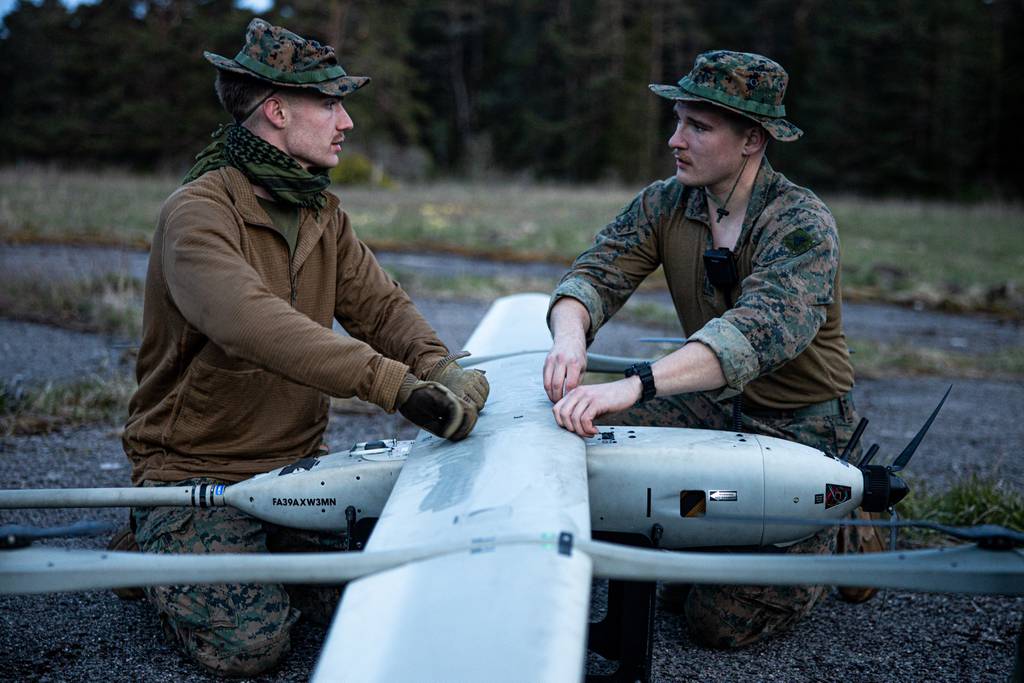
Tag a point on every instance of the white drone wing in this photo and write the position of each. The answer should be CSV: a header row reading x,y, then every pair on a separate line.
x,y
451,618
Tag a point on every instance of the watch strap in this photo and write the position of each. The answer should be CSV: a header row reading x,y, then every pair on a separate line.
x,y
646,375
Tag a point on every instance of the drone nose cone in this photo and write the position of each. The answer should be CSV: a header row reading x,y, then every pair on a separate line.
x,y
898,489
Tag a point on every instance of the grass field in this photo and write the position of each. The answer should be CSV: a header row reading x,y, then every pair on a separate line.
x,y
960,257
969,502
38,410
109,305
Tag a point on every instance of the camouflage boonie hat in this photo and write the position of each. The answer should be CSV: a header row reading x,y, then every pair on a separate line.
x,y
277,55
742,82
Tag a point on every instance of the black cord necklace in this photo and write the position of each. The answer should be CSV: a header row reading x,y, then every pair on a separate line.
x,y
721,210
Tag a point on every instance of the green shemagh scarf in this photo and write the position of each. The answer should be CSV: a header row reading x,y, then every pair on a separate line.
x,y
264,165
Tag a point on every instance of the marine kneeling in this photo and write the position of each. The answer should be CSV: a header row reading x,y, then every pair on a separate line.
x,y
251,263
752,265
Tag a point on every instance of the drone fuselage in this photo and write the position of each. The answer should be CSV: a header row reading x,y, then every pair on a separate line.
x,y
691,481
688,481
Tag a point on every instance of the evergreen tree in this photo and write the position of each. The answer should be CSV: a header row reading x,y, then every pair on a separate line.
x,y
895,96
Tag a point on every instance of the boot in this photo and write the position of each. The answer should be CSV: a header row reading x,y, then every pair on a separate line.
x,y
124,541
673,596
859,539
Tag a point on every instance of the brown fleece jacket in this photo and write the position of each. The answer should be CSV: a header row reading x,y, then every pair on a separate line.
x,y
238,357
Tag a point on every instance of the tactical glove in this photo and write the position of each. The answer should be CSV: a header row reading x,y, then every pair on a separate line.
x,y
468,384
436,408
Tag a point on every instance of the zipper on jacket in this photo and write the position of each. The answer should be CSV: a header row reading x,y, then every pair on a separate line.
x,y
291,265
293,293
291,279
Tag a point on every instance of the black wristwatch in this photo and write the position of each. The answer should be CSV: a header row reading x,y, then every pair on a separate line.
x,y
643,371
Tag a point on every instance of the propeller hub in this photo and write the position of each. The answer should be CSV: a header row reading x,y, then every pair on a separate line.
x,y
876,488
882,488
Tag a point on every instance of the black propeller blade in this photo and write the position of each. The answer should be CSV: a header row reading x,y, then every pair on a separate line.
x,y
903,458
882,488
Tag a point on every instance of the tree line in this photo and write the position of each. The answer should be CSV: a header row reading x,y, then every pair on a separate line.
x,y
896,97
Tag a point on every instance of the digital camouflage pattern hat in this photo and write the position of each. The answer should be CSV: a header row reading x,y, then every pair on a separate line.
x,y
742,82
278,56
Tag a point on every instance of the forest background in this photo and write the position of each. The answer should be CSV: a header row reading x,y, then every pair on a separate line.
x,y
896,97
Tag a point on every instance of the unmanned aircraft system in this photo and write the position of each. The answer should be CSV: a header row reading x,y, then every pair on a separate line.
x,y
513,517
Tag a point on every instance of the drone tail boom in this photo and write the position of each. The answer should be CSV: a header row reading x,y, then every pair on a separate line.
x,y
204,495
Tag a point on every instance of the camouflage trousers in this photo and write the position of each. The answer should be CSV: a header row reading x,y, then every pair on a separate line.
x,y
233,629
734,616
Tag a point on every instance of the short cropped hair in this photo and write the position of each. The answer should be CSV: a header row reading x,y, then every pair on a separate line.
x,y
238,93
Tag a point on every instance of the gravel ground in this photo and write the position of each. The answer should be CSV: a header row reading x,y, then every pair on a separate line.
x,y
58,262
74,262
36,354
95,636
905,636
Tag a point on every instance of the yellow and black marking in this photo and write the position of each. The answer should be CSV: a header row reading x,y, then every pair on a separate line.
x,y
692,504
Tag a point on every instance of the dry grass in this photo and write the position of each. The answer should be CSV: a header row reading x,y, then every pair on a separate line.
x,y
57,405
110,305
529,221
952,256
524,221
902,244
466,287
113,305
873,359
104,207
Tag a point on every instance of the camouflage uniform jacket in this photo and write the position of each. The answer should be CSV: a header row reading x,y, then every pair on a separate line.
x,y
238,357
778,335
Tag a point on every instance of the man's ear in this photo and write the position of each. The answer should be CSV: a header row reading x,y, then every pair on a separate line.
x,y
755,141
275,111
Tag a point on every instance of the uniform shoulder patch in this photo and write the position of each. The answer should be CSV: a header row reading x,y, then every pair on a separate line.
x,y
798,241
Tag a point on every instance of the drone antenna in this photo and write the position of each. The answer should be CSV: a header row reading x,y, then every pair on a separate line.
x,y
868,456
903,458
854,440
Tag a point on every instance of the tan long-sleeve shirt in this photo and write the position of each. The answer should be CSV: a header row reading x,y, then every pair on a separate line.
x,y
238,357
